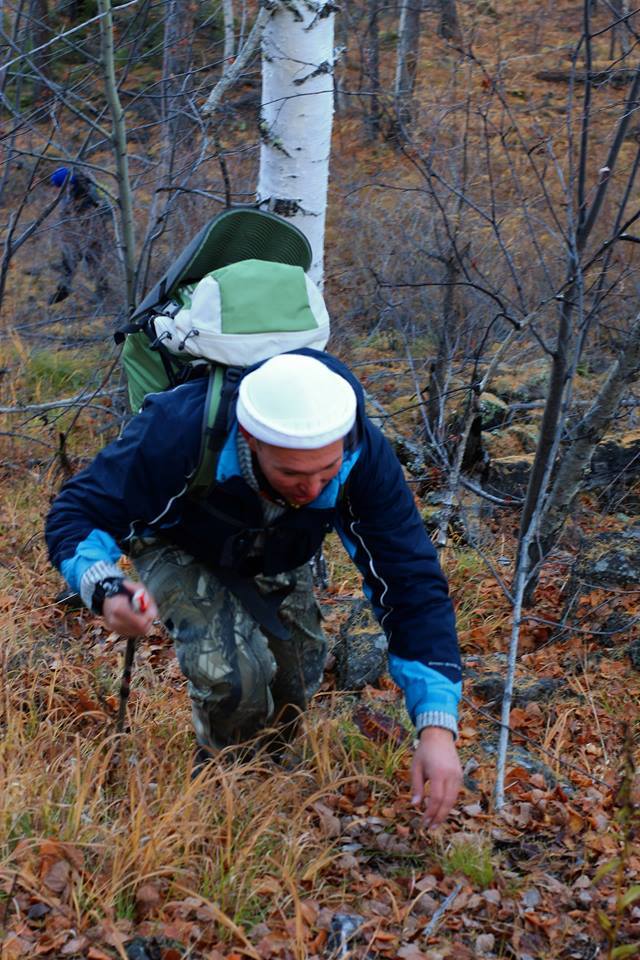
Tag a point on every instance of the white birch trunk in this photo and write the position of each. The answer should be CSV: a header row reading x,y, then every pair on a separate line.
x,y
229,36
296,120
407,57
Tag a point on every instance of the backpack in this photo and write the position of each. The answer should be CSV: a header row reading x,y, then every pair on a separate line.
x,y
238,294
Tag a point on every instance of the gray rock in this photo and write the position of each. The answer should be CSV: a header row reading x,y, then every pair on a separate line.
x,y
610,560
615,458
509,476
614,628
491,688
360,650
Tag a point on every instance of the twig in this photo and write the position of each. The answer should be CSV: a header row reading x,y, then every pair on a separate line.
x,y
241,61
500,501
67,402
442,909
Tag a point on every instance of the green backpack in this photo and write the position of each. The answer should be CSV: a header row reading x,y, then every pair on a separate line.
x,y
239,293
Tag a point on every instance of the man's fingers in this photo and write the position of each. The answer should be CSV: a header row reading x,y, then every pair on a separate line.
x,y
417,783
442,798
437,795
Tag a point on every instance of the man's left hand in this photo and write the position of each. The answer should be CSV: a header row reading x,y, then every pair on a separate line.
x,y
436,760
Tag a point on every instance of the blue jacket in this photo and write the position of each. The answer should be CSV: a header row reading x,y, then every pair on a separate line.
x,y
140,482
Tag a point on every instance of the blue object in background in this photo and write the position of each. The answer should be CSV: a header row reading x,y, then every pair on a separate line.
x,y
59,176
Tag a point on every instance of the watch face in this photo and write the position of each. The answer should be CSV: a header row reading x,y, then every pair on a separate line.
x,y
104,589
112,588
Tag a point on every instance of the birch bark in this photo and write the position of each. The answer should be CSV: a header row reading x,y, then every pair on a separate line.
x,y
407,61
229,35
296,119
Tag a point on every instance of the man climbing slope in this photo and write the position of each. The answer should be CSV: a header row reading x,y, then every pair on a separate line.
x,y
229,574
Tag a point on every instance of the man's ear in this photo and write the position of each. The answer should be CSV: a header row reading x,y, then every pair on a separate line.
x,y
251,440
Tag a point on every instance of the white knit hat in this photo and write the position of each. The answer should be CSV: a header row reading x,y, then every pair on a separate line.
x,y
296,402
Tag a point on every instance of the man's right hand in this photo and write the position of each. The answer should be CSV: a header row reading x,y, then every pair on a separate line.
x,y
120,616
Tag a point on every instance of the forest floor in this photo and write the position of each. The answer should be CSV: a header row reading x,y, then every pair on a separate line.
x,y
108,848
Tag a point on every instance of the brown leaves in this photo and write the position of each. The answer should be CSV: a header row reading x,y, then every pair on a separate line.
x,y
148,898
57,860
378,726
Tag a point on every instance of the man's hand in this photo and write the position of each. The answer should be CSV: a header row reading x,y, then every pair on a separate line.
x,y
436,760
120,616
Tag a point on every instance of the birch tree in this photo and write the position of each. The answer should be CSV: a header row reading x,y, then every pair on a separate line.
x,y
407,59
371,57
296,119
229,34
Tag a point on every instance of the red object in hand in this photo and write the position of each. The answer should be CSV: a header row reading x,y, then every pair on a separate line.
x,y
140,600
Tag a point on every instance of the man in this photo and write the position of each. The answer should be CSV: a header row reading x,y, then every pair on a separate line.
x,y
300,458
85,210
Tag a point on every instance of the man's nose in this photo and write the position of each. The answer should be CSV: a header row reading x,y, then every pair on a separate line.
x,y
312,487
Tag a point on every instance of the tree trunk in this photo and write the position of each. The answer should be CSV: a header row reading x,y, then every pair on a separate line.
x,y
407,59
229,34
38,35
296,119
449,26
179,26
119,143
371,54
441,367
548,440
620,32
578,449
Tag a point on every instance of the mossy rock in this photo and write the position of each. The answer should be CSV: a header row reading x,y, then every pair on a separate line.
x,y
523,383
513,441
493,411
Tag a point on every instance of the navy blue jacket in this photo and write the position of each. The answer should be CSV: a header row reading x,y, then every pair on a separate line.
x,y
140,482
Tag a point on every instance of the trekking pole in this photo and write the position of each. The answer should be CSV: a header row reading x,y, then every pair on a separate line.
x,y
140,603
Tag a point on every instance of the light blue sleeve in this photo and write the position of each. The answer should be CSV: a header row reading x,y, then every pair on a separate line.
x,y
426,691
97,547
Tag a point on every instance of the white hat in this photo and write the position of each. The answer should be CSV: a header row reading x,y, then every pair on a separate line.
x,y
296,402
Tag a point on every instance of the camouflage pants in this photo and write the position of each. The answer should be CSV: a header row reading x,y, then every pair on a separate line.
x,y
239,677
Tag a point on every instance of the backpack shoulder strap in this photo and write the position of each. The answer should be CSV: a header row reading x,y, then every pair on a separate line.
x,y
223,382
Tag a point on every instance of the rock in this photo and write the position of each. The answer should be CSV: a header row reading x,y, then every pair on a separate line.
x,y
523,383
610,560
515,440
491,688
344,928
360,650
488,687
613,628
518,756
615,458
493,411
509,476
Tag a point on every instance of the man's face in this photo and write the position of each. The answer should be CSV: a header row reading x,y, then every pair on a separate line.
x,y
298,475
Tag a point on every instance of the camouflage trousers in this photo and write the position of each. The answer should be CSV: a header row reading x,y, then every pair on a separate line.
x,y
241,678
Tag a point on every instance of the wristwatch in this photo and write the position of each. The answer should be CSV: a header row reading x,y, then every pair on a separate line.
x,y
105,588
